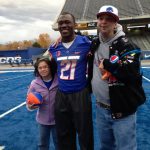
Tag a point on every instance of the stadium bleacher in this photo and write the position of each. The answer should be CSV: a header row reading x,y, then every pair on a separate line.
x,y
140,37
145,4
131,12
86,9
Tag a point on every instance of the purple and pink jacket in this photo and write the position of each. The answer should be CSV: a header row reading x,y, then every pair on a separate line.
x,y
45,112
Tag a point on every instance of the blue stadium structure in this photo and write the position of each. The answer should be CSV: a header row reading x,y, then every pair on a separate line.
x,y
22,56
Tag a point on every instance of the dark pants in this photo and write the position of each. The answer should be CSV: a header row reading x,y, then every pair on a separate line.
x,y
73,114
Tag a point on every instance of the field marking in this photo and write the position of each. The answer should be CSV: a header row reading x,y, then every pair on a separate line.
x,y
146,67
146,78
2,147
11,110
6,71
15,77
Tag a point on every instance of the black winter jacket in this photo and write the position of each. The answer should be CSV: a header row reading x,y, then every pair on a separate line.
x,y
125,83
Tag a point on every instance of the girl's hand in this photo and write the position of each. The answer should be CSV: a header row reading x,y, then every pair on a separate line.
x,y
32,106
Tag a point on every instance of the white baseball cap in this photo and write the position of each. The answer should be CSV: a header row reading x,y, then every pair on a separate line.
x,y
109,10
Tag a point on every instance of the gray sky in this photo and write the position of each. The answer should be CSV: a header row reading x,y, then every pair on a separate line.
x,y
26,19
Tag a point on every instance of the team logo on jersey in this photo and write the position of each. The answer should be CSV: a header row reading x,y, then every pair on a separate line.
x,y
58,53
114,58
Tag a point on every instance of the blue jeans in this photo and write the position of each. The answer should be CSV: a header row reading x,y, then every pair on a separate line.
x,y
119,134
44,140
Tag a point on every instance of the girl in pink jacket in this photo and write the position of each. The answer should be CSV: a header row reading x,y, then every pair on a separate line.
x,y
46,84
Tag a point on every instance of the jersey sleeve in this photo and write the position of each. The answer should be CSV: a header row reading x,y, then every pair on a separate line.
x,y
50,50
87,41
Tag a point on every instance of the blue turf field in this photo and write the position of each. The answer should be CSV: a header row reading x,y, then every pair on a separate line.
x,y
19,130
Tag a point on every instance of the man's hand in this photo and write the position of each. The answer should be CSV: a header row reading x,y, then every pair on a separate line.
x,y
105,74
55,44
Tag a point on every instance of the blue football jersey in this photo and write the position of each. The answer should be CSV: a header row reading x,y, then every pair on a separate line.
x,y
72,64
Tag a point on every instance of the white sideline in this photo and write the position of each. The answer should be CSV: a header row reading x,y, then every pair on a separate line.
x,y
15,71
146,79
2,147
11,110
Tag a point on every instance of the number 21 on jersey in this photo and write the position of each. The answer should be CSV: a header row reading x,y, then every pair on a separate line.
x,y
70,66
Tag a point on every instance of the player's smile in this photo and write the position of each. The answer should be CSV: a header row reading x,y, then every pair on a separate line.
x,y
64,31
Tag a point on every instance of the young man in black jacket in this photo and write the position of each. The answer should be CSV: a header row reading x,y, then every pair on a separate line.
x,y
116,83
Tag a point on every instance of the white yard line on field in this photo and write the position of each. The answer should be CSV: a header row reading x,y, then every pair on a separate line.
x,y
11,110
2,147
146,78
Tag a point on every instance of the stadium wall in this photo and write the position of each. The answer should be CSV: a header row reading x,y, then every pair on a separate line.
x,y
25,53
22,56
